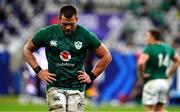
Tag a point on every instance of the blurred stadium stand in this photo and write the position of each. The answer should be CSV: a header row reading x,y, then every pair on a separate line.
x,y
120,24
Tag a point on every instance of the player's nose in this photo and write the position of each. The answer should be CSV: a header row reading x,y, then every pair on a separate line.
x,y
68,27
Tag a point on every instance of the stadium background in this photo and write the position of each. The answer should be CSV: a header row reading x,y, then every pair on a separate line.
x,y
120,24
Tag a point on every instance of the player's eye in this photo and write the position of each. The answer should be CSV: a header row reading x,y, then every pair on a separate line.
x,y
66,24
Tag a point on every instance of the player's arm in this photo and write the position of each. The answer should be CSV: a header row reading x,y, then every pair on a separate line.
x,y
28,50
141,65
104,59
172,70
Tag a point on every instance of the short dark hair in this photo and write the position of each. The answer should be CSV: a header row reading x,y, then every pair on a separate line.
x,y
155,34
68,11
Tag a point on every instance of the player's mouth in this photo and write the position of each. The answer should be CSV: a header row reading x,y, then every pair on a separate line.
x,y
68,33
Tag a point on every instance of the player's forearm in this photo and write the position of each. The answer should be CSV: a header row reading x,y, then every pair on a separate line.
x,y
102,64
29,57
141,65
140,71
173,69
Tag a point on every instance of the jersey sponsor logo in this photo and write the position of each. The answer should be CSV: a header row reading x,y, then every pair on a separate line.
x,y
53,43
78,45
65,64
65,55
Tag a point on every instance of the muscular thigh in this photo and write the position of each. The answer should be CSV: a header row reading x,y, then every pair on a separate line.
x,y
155,91
163,91
65,100
150,96
76,101
56,100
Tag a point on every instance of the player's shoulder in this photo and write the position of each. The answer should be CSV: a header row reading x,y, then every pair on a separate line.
x,y
49,28
83,29
166,45
149,48
156,46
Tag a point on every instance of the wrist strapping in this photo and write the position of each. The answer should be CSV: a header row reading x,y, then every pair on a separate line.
x,y
92,76
37,69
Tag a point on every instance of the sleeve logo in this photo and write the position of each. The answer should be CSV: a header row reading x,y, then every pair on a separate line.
x,y
78,45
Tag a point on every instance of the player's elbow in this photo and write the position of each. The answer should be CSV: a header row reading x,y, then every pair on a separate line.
x,y
177,60
108,57
142,59
24,49
25,52
139,63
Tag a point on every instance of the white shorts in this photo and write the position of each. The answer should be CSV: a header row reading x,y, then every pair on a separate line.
x,y
155,91
65,100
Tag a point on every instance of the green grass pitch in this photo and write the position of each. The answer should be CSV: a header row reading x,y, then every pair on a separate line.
x,y
10,104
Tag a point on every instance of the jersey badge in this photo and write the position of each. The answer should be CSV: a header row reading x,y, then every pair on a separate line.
x,y
78,45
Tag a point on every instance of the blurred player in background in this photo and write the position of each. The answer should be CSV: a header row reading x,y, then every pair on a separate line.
x,y
66,46
152,67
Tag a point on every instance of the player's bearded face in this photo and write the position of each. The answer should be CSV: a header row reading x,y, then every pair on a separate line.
x,y
68,25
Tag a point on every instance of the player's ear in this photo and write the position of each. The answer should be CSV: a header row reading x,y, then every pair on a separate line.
x,y
59,18
59,21
77,18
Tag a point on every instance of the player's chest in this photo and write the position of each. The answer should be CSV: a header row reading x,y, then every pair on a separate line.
x,y
59,44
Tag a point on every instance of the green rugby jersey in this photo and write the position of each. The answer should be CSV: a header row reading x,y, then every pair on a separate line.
x,y
159,59
66,55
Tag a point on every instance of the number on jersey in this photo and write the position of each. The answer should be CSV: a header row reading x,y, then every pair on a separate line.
x,y
163,61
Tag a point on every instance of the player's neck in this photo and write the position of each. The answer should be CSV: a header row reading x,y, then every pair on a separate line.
x,y
157,42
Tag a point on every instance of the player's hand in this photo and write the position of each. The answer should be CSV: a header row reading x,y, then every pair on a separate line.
x,y
47,77
83,77
145,76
